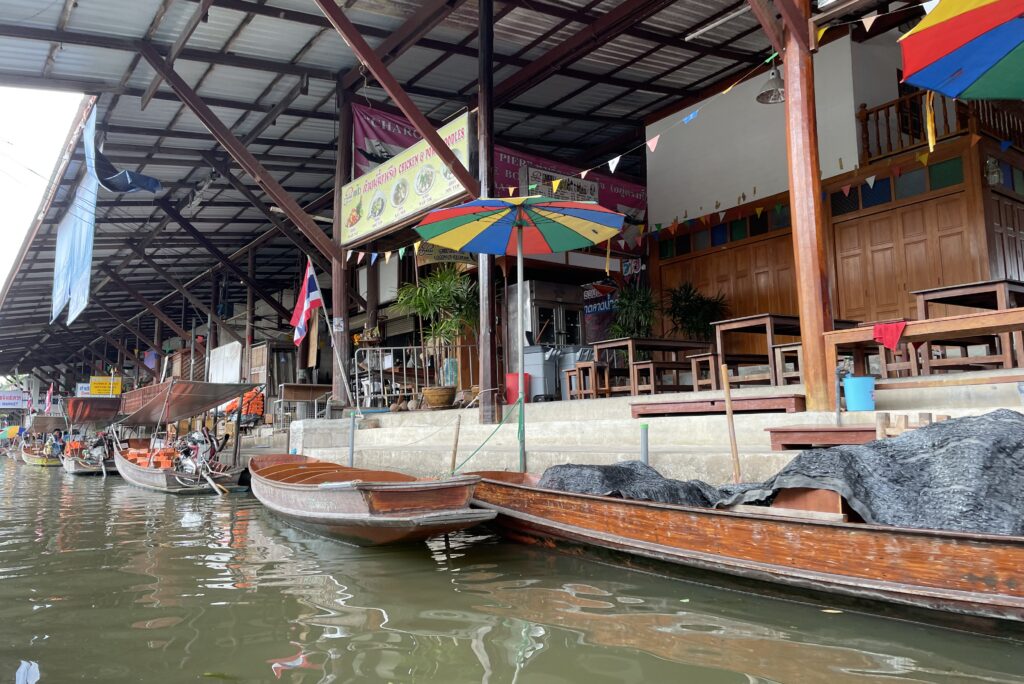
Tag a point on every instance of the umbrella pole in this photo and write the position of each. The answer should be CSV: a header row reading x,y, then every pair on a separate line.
x,y
522,349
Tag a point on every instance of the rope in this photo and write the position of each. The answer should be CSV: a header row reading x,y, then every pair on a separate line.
x,y
425,437
494,432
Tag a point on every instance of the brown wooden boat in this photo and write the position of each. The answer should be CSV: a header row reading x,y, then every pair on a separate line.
x,y
363,507
89,413
948,577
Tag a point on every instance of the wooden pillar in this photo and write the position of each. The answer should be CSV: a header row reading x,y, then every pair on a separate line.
x,y
250,315
372,294
340,334
806,207
213,333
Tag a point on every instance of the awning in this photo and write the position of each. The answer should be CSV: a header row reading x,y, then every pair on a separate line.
x,y
175,400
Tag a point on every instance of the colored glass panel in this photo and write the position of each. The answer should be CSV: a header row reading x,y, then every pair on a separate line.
x,y
719,234
945,174
738,229
759,224
880,194
781,217
911,183
666,249
844,203
683,244
701,240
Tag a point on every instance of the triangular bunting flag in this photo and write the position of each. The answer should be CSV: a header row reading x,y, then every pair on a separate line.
x,y
778,207
511,191
612,163
870,180
362,255
929,5
721,216
387,257
641,228
821,32
846,190
758,211
923,158
532,187
868,21
583,174
1005,145
657,227
401,252
897,171
652,144
348,256
691,116
416,246
622,243
373,258
975,139
554,185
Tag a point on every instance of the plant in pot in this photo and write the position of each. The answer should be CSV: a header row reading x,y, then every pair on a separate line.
x,y
692,312
635,308
448,306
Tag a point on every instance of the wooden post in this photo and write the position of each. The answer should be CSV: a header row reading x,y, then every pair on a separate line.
x,y
340,333
250,315
733,449
455,444
372,293
806,207
488,347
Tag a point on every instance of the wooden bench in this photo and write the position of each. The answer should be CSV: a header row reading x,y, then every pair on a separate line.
x,y
782,403
964,326
809,436
655,369
713,360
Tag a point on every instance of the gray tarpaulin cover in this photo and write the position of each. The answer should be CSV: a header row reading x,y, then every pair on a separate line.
x,y
965,474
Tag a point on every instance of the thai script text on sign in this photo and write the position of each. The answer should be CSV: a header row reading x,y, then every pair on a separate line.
x,y
104,385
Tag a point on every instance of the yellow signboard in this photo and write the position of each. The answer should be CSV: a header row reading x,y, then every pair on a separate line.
x,y
410,182
433,254
104,385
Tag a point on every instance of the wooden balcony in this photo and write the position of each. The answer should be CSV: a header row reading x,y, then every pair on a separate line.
x,y
900,125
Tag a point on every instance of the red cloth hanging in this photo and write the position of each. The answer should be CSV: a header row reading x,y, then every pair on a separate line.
x,y
889,334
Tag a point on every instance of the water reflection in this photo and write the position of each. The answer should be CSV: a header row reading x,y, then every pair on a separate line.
x,y
105,582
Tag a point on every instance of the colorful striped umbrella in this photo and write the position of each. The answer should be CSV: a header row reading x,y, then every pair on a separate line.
x,y
969,49
520,226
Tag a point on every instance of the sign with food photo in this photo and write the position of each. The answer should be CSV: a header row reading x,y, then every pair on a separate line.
x,y
405,185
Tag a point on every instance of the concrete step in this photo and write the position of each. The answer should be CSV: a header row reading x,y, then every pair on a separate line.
x,y
712,466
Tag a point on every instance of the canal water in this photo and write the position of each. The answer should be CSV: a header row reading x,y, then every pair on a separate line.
x,y
100,581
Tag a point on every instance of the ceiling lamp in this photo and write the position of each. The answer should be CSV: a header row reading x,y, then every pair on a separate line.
x,y
774,90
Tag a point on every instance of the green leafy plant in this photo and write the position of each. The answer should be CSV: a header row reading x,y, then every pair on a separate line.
x,y
635,309
692,312
447,302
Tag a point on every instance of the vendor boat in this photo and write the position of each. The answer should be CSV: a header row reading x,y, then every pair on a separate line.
x,y
363,507
963,580
37,452
191,464
85,455
39,455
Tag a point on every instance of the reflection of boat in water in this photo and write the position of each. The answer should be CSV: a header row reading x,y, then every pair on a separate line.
x,y
192,464
84,455
363,507
976,586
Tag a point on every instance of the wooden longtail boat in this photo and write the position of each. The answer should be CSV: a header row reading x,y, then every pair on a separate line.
x,y
38,456
79,457
970,581
363,507
195,469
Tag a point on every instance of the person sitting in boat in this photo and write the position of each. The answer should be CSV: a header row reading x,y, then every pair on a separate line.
x,y
57,443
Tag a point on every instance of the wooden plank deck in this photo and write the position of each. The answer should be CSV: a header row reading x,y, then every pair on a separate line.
x,y
807,436
781,403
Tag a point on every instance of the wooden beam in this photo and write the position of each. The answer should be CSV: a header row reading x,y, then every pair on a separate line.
x,y
813,298
221,257
130,327
193,299
146,304
140,365
371,61
797,22
241,155
270,117
179,44
773,29
598,32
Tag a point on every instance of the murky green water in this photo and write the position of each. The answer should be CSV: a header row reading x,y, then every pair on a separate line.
x,y
100,581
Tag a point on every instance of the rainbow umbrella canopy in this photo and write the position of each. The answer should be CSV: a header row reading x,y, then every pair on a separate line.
x,y
520,226
968,49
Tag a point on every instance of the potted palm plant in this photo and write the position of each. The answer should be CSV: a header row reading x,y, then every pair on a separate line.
x,y
692,312
448,305
635,308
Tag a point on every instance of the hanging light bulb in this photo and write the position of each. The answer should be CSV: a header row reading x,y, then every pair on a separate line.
x,y
774,90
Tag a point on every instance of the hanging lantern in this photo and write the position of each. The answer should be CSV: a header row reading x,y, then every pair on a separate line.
x,y
774,90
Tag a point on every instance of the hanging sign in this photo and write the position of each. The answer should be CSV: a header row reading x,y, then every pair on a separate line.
x,y
13,399
104,385
405,185
82,389
572,188
433,254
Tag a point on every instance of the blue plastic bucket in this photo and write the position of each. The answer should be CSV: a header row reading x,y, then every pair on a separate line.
x,y
860,393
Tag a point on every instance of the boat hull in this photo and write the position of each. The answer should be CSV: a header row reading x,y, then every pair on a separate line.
x,y
37,458
77,466
373,513
950,574
165,479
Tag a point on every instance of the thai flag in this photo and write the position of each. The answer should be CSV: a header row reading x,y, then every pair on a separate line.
x,y
308,300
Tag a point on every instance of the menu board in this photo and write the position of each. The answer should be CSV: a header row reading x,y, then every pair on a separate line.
x,y
409,183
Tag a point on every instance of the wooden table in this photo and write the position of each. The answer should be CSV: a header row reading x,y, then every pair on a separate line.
x,y
632,345
994,295
770,325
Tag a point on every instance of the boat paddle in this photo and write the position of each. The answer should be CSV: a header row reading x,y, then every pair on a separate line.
x,y
732,426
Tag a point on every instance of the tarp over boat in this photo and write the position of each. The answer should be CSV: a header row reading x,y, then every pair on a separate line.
x,y
964,475
43,423
90,410
175,400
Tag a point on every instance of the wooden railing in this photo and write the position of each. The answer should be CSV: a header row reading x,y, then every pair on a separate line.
x,y
900,125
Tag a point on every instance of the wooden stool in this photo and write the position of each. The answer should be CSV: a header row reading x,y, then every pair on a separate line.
x,y
645,367
572,383
697,362
794,350
588,376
